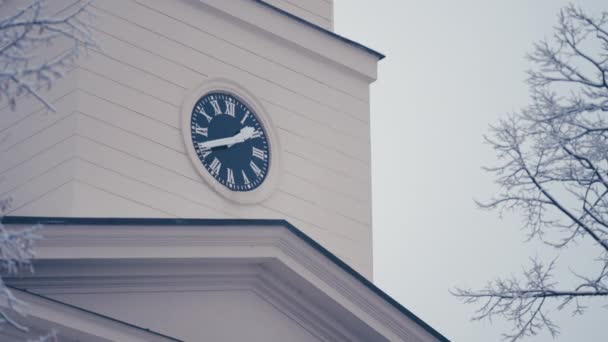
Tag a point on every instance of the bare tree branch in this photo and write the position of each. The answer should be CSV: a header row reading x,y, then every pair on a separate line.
x,y
23,70
554,171
26,69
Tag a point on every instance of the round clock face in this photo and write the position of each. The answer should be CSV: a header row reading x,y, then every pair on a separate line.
x,y
230,141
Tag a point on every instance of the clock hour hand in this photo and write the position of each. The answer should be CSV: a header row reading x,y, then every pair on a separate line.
x,y
245,134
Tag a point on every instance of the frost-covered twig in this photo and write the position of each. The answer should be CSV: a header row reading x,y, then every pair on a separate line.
x,y
524,302
24,69
554,170
27,35
16,252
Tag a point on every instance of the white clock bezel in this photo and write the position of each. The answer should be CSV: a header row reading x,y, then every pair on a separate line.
x,y
269,184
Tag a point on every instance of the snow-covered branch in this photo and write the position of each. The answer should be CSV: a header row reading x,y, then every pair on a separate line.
x,y
554,171
24,70
524,303
16,252
39,41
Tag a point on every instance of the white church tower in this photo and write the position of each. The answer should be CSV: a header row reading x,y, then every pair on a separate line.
x,y
206,177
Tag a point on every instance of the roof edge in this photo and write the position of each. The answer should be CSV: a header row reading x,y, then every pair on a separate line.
x,y
98,221
351,42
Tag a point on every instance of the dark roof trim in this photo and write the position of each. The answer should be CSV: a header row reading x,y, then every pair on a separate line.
x,y
95,313
226,222
319,28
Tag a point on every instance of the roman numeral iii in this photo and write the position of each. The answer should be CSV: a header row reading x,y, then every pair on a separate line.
x,y
258,153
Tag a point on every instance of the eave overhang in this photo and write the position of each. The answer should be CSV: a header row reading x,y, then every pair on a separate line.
x,y
311,39
272,257
351,42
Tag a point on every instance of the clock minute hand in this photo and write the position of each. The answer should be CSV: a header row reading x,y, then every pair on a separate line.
x,y
218,142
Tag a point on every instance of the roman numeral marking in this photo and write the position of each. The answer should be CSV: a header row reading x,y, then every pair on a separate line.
x,y
205,153
229,175
255,169
215,166
230,106
216,107
201,147
245,179
244,118
199,110
201,130
258,153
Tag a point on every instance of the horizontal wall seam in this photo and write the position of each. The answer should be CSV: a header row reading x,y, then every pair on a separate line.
x,y
241,69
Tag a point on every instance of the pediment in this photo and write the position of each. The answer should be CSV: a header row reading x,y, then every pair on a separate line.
x,y
242,277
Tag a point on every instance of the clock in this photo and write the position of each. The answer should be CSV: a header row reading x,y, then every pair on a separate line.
x,y
230,141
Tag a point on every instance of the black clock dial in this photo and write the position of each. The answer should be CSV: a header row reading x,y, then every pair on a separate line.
x,y
230,141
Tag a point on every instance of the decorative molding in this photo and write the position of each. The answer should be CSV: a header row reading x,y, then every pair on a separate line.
x,y
229,276
302,309
279,255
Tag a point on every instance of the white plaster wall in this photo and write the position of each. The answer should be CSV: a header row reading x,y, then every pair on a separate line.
x,y
38,151
114,147
237,315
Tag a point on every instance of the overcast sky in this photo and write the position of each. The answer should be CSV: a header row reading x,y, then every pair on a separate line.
x,y
453,67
